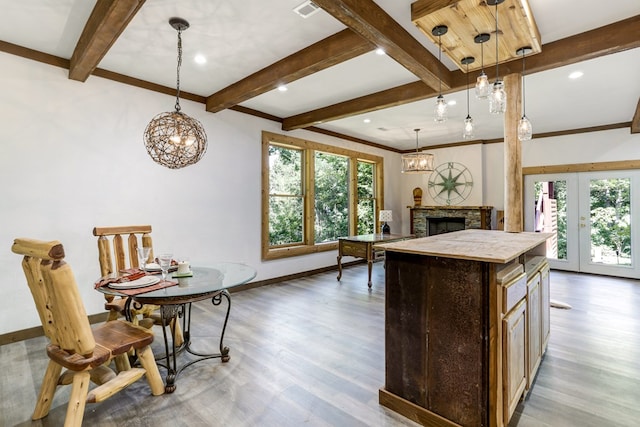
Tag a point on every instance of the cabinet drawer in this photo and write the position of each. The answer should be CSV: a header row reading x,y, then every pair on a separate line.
x,y
513,292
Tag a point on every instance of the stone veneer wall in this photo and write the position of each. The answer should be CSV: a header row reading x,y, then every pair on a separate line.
x,y
474,216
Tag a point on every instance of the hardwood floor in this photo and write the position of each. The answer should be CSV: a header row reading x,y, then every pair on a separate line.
x,y
310,352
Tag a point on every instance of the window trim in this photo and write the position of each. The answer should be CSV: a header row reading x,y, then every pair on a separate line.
x,y
309,147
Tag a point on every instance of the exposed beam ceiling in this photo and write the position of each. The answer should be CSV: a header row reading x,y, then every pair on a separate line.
x,y
326,53
591,44
368,26
108,20
374,24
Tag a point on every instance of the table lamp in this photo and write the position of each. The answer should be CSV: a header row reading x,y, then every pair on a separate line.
x,y
386,216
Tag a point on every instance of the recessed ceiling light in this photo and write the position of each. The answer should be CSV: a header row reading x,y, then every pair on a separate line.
x,y
576,75
451,102
367,120
200,59
282,88
380,51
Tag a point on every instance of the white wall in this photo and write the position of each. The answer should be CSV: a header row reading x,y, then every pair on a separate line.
x,y
470,156
486,162
72,157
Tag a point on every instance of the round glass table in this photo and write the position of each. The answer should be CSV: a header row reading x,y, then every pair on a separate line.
x,y
212,282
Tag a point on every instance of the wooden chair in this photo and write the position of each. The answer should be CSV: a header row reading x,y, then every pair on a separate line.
x,y
73,345
114,256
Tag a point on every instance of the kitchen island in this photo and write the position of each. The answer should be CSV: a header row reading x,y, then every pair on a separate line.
x,y
457,335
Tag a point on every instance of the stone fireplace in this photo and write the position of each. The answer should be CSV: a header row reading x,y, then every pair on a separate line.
x,y
431,220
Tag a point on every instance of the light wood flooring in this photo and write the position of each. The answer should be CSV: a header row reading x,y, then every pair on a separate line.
x,y
309,352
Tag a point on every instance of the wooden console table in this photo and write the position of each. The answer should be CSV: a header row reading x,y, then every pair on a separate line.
x,y
362,247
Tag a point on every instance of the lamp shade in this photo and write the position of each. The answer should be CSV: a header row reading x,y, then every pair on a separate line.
x,y
417,162
386,216
175,140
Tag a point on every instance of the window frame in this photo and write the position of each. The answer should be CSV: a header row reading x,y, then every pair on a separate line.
x,y
309,148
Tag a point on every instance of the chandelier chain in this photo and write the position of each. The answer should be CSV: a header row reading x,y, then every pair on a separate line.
x,y
178,70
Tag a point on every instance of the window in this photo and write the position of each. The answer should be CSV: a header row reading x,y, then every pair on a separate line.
x,y
315,193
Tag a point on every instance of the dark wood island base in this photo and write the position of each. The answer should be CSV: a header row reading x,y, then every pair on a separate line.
x,y
454,345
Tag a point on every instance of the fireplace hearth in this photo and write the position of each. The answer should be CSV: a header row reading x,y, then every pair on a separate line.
x,y
432,220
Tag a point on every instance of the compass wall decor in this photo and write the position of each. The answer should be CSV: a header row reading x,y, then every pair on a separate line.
x,y
450,183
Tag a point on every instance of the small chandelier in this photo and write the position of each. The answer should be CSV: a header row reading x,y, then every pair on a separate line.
x,y
525,131
441,105
417,162
467,131
482,82
498,98
174,139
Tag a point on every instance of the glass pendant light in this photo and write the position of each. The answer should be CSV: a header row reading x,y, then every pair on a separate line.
x,y
467,131
525,131
417,162
483,88
498,98
441,105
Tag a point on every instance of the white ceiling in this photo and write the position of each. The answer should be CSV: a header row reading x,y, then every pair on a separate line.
x,y
239,38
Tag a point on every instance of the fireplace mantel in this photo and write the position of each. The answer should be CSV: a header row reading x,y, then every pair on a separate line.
x,y
478,217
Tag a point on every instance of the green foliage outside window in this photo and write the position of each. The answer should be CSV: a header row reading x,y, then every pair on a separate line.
x,y
344,194
366,198
331,197
286,223
611,218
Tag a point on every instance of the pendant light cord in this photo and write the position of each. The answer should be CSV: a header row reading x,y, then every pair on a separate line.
x,y
178,70
440,62
468,115
524,103
497,62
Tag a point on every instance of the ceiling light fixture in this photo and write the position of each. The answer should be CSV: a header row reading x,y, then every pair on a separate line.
x,y
441,105
467,131
174,139
576,75
482,82
498,98
417,162
525,131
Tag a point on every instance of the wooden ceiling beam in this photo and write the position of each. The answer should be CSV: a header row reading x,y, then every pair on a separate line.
x,y
613,38
108,20
326,53
380,100
369,20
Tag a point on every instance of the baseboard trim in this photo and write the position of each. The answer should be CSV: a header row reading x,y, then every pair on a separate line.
x,y
37,331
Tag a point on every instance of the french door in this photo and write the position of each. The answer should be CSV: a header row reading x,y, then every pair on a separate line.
x,y
590,215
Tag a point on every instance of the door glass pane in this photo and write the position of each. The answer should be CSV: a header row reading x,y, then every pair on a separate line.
x,y
551,216
610,221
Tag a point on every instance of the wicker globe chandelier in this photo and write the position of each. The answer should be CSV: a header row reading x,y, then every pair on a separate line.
x,y
174,139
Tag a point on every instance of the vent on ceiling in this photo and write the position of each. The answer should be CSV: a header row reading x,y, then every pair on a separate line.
x,y
306,9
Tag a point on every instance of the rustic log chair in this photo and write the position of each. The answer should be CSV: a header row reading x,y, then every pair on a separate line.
x,y
113,258
85,353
